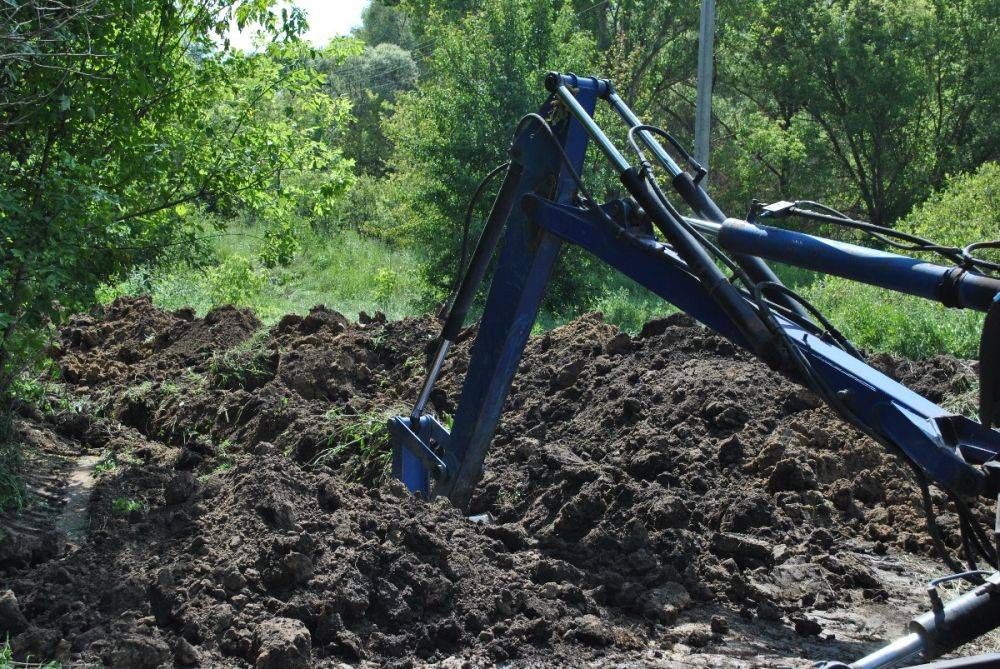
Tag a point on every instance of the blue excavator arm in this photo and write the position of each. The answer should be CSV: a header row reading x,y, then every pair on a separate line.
x,y
543,204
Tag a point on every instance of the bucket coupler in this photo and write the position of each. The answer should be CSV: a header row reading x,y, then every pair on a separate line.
x,y
536,211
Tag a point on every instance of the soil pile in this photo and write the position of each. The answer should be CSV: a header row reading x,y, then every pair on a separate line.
x,y
648,496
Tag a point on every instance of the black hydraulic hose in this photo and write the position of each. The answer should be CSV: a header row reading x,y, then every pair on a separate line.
x,y
466,229
699,262
705,207
502,207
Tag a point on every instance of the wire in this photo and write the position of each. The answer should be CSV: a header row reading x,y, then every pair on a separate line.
x,y
699,170
889,236
466,225
979,262
832,331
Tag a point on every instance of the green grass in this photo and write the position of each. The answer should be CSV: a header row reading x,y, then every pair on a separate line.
x,y
630,308
342,269
364,439
881,320
7,660
351,272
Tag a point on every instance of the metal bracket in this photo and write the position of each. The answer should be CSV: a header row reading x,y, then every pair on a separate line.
x,y
420,456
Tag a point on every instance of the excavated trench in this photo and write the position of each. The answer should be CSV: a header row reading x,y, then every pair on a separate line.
x,y
663,500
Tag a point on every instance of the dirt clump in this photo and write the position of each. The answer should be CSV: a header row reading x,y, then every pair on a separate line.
x,y
649,498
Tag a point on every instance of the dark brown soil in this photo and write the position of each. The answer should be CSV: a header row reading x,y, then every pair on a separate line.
x,y
657,500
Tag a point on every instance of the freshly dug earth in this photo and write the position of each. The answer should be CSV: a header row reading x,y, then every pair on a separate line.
x,y
664,500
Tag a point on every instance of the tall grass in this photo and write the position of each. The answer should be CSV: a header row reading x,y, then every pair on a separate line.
x,y
342,269
882,320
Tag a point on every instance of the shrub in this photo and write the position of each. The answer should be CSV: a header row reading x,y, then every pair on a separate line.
x,y
967,210
235,281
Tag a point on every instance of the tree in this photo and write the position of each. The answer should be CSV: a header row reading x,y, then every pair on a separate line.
x,y
382,24
484,73
892,85
112,129
372,80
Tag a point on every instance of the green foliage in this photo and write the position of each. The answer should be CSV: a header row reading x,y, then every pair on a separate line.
x,y
484,73
115,117
235,281
382,23
881,320
891,86
339,268
387,285
967,210
379,207
124,506
372,80
279,245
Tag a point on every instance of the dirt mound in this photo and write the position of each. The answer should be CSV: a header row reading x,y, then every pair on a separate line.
x,y
648,496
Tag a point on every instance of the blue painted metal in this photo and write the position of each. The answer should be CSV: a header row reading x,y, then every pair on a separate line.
x,y
525,263
522,274
878,268
415,460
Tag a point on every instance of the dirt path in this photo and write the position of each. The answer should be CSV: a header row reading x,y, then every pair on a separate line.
x,y
662,500
74,521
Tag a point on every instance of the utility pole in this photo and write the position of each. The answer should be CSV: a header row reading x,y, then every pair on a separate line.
x,y
703,101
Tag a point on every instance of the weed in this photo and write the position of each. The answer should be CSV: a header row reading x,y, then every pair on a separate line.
x,y
138,393
363,440
224,457
7,660
13,491
244,361
111,461
123,506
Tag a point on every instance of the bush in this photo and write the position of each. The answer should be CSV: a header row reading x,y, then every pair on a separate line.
x,y
235,281
967,210
378,208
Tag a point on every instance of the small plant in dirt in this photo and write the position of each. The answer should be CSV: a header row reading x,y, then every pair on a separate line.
x,y
139,392
360,444
224,458
123,506
7,660
248,364
111,461
13,491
